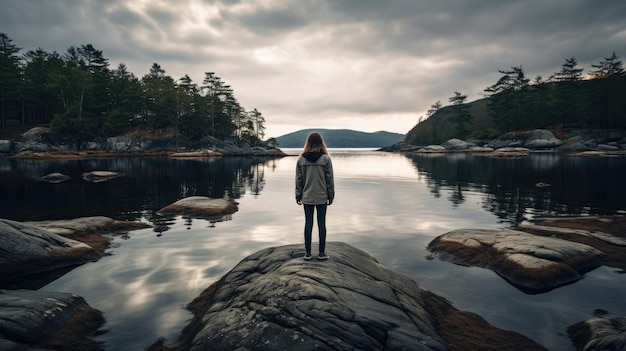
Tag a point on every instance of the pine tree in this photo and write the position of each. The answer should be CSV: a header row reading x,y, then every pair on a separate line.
x,y
607,92
9,79
461,116
609,66
569,92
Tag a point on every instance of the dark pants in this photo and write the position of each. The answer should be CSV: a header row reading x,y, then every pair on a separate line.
x,y
308,226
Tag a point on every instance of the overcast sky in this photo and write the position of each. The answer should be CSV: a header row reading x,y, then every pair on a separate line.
x,y
357,64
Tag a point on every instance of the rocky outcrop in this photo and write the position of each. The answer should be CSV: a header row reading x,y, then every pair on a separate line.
x,y
537,139
196,154
40,142
605,143
274,300
400,147
509,152
29,248
80,226
507,145
30,255
541,139
599,333
453,145
542,254
31,319
431,149
604,233
200,207
591,139
532,263
456,144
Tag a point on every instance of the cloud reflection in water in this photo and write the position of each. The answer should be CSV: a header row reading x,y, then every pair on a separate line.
x,y
384,205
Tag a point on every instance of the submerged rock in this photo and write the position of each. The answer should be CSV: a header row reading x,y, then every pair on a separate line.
x,y
55,178
201,207
274,300
100,176
532,263
32,319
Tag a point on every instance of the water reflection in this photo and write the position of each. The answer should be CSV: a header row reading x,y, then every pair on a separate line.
x,y
388,205
516,188
149,185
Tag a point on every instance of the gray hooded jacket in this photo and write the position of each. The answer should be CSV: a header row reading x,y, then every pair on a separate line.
x,y
314,179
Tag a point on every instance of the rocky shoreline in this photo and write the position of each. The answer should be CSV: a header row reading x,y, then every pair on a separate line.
x,y
577,143
41,143
275,300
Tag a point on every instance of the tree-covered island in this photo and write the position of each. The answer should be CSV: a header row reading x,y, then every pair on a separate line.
x,y
82,99
568,99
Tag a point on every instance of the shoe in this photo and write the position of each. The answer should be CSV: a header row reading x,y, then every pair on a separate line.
x,y
307,256
322,256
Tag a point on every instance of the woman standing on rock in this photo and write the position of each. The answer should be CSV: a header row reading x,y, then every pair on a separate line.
x,y
315,188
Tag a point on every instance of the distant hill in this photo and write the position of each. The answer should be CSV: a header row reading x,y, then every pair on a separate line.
x,y
340,138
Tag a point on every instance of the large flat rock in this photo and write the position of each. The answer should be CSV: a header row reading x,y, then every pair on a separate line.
x,y
532,263
28,249
200,207
274,300
35,248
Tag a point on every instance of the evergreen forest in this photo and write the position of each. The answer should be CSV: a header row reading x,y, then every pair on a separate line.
x,y
568,99
81,98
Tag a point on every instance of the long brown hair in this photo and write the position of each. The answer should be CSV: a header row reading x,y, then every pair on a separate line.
x,y
315,143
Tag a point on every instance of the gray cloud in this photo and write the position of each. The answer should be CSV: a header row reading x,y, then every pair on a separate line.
x,y
361,64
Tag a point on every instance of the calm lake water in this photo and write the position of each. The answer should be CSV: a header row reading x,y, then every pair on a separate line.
x,y
388,205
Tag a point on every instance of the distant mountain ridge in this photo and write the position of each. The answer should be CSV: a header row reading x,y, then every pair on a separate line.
x,y
341,138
